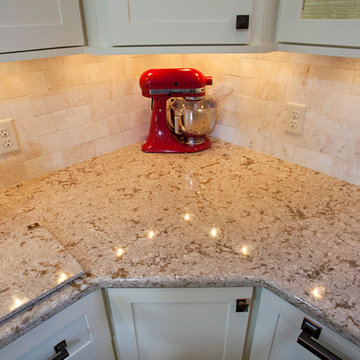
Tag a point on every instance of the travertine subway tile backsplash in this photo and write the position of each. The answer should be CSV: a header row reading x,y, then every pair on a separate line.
x,y
68,109
262,85
72,108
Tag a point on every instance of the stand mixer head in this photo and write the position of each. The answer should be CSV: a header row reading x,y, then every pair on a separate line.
x,y
179,125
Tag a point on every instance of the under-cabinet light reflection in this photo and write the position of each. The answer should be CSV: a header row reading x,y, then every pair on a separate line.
x,y
244,251
62,277
119,252
318,292
151,234
187,217
213,232
17,303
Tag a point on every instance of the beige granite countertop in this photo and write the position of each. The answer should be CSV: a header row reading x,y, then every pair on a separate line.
x,y
225,217
33,264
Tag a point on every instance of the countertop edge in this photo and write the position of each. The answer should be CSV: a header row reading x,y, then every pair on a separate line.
x,y
60,299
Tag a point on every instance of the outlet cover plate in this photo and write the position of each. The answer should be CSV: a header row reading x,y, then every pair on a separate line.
x,y
8,138
295,118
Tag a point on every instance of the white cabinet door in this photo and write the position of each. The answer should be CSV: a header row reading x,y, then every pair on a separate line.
x,y
83,326
183,324
174,22
277,328
39,24
296,28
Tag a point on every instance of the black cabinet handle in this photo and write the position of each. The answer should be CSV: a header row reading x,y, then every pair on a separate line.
x,y
242,22
311,330
61,351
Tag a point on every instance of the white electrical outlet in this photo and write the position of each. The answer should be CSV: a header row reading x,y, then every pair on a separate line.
x,y
295,118
8,138
7,143
4,132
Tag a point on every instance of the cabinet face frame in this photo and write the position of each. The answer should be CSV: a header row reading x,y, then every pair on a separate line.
x,y
22,35
295,30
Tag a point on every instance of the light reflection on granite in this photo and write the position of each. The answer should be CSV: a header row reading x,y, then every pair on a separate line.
x,y
277,225
318,292
32,265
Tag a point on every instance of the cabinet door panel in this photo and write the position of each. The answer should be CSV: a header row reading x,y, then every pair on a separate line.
x,y
169,22
160,330
83,326
178,323
284,341
293,29
77,331
39,24
277,328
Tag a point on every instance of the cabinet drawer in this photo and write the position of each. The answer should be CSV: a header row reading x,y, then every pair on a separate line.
x,y
83,326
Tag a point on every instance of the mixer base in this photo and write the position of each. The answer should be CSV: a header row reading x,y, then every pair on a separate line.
x,y
195,141
175,147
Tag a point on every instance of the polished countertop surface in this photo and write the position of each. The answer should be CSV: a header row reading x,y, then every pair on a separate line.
x,y
33,264
228,216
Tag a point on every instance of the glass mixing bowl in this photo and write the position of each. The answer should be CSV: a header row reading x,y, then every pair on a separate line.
x,y
193,118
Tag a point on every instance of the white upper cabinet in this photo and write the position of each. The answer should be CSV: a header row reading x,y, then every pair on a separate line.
x,y
39,24
168,22
171,23
319,22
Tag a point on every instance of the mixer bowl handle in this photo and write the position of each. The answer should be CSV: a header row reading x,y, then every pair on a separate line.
x,y
177,120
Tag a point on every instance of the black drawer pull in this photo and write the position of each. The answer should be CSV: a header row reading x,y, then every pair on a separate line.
x,y
311,330
61,351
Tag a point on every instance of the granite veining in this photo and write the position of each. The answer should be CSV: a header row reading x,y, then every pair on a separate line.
x,y
228,216
33,264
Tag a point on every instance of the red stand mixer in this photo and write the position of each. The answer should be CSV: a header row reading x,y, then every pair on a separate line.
x,y
182,115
